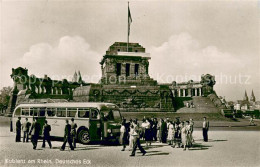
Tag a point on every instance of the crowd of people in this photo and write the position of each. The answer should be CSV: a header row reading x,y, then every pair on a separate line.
x,y
175,133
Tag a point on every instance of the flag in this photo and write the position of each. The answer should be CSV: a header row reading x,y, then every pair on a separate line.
x,y
129,20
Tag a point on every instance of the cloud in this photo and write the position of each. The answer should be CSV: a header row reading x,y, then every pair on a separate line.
x,y
182,58
182,55
61,61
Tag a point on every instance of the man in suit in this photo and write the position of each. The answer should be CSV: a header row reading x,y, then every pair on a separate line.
x,y
18,130
67,136
26,127
205,128
154,129
35,132
163,131
136,136
73,132
46,134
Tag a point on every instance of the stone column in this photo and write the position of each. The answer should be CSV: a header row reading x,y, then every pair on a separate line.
x,y
189,92
132,69
179,92
200,91
196,91
123,67
184,92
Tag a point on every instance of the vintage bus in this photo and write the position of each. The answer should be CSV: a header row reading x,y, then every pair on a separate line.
x,y
96,121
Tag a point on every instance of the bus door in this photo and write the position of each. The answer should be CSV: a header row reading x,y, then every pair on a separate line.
x,y
38,113
95,125
41,118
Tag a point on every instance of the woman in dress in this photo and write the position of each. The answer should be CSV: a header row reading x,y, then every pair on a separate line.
x,y
123,135
176,136
184,135
191,130
131,139
142,133
189,137
159,136
147,132
171,132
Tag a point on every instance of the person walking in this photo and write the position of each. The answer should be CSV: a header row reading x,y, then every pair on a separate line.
x,y
67,136
73,132
46,134
205,128
18,130
26,126
35,132
136,136
123,134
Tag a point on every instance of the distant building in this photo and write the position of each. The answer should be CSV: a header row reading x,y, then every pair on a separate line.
x,y
32,89
247,104
77,77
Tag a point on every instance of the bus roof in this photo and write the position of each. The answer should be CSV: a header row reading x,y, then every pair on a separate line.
x,y
68,104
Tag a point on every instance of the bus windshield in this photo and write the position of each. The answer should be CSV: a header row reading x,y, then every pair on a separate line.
x,y
117,116
111,115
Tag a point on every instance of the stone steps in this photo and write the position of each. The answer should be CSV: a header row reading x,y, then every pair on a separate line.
x,y
201,105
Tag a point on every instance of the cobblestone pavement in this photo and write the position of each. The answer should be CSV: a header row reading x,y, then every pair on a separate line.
x,y
225,148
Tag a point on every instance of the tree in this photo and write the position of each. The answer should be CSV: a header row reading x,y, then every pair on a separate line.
x,y
5,94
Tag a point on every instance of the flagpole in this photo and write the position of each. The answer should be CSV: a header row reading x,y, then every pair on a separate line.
x,y
127,26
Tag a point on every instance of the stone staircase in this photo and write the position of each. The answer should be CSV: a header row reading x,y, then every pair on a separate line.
x,y
204,105
201,105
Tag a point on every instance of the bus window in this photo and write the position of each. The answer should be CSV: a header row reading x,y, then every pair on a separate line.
x,y
71,112
94,114
61,112
31,111
42,112
17,112
83,113
51,112
25,111
34,111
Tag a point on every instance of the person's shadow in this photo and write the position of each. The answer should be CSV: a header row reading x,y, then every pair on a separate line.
x,y
199,146
77,148
152,153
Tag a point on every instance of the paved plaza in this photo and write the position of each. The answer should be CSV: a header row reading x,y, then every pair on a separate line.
x,y
225,148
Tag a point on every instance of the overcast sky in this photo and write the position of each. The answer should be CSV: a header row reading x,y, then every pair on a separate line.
x,y
185,39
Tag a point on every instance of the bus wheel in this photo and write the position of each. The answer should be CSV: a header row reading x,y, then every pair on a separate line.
x,y
84,137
